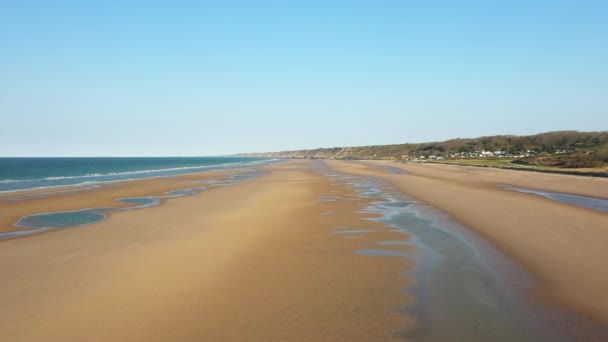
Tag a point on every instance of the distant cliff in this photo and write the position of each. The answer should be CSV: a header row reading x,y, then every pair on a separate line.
x,y
568,149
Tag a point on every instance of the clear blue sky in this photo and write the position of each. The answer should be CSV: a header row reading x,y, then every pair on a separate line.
x,y
172,78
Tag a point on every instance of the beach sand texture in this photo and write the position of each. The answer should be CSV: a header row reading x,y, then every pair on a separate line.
x,y
251,262
564,246
261,260
15,205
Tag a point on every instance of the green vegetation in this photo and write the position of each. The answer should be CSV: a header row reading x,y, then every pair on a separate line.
x,y
563,149
584,158
479,162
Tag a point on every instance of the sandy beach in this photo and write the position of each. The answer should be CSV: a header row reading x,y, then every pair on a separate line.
x,y
562,245
14,205
303,171
256,261
278,257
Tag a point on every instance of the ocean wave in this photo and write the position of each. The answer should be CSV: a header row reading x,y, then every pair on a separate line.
x,y
108,177
78,188
53,187
73,177
9,181
151,170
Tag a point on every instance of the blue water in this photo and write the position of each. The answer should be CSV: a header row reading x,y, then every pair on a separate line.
x,y
31,173
581,201
458,295
143,202
37,223
61,219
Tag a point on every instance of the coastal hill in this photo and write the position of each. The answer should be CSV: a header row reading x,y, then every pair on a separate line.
x,y
562,149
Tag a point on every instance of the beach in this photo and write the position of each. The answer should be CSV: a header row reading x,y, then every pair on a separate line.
x,y
304,171
309,251
16,205
254,261
562,245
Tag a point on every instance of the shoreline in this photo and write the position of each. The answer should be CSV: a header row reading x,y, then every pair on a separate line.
x,y
15,206
329,250
131,175
183,271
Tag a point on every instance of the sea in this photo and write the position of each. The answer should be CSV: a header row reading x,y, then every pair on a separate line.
x,y
35,173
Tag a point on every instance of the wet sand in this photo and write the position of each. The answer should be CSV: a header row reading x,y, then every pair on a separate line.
x,y
256,261
14,205
310,251
564,246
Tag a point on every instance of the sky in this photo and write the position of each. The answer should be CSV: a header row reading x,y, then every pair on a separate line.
x,y
197,78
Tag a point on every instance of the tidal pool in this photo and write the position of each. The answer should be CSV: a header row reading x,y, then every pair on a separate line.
x,y
581,201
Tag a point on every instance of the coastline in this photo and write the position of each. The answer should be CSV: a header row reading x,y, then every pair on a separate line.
x,y
25,174
256,261
328,250
16,205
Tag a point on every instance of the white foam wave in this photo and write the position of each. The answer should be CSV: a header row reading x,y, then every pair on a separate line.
x,y
107,177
